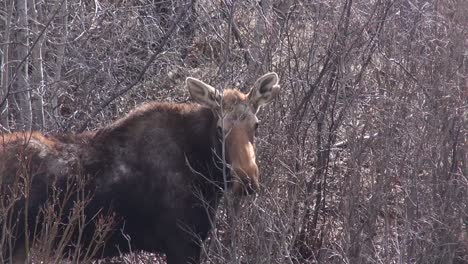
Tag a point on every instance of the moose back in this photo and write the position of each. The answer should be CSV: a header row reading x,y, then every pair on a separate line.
x,y
160,172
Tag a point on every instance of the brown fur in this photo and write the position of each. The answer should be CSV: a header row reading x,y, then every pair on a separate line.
x,y
157,170
149,160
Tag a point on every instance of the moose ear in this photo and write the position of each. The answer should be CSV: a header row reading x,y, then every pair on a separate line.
x,y
203,93
265,89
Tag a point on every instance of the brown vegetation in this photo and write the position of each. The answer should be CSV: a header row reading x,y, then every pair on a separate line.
x,y
363,159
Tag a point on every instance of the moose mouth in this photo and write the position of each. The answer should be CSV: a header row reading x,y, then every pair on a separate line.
x,y
245,184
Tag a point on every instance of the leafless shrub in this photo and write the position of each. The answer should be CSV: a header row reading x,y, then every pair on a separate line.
x,y
363,158
47,227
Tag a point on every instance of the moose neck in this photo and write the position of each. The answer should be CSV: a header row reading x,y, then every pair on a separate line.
x,y
193,126
206,142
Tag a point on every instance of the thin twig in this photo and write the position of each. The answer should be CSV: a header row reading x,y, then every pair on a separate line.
x,y
162,43
8,87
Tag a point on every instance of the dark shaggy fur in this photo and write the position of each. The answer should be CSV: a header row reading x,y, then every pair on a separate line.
x,y
155,169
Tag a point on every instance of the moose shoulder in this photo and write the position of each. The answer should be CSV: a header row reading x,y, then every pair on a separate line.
x,y
159,170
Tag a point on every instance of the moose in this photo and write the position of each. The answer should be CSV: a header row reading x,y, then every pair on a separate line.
x,y
161,170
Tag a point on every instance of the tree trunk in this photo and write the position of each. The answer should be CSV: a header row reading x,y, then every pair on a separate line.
x,y
258,37
37,78
5,65
63,23
21,85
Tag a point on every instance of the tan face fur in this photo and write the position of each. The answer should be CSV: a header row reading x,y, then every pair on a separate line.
x,y
238,122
